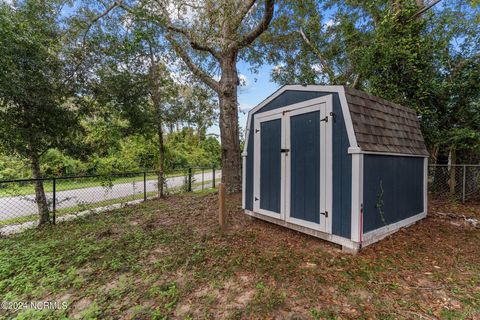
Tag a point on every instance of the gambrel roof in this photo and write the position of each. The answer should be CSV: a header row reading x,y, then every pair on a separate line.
x,y
373,124
384,126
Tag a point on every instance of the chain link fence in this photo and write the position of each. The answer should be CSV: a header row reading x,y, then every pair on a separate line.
x,y
69,197
455,182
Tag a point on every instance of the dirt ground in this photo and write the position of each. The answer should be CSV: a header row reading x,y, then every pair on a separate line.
x,y
167,259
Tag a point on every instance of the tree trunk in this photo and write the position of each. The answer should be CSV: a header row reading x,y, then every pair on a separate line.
x,y
201,132
229,132
452,181
161,161
40,198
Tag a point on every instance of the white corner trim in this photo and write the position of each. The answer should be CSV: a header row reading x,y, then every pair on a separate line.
x,y
347,118
354,150
357,197
425,185
378,234
244,181
334,89
328,142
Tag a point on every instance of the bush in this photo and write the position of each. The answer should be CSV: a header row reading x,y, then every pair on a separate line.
x,y
12,167
55,163
133,153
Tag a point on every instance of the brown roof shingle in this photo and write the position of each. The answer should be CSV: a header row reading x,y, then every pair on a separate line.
x,y
384,126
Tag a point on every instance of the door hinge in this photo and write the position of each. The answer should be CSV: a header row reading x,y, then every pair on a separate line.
x,y
325,214
256,199
257,130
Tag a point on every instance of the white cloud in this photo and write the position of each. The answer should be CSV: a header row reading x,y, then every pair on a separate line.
x,y
184,11
243,80
330,23
244,107
317,67
278,69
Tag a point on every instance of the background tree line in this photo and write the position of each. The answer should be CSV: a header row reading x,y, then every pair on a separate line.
x,y
423,54
98,86
77,110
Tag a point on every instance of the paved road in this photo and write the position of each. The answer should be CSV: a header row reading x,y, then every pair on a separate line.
x,y
19,206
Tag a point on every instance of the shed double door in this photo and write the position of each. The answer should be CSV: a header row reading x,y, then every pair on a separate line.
x,y
292,160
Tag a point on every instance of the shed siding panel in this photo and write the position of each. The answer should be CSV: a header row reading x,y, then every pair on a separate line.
x,y
392,189
270,168
249,172
342,175
305,166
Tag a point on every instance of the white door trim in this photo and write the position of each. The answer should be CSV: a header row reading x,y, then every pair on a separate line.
x,y
288,177
256,167
326,167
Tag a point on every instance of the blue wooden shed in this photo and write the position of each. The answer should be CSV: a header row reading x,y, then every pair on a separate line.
x,y
336,163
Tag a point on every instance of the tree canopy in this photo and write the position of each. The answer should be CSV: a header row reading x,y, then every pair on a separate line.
x,y
37,91
421,56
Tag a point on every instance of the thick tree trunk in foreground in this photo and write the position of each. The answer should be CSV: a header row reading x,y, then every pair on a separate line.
x,y
229,133
40,198
230,42
161,161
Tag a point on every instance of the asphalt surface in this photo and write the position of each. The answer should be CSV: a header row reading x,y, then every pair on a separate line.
x,y
19,206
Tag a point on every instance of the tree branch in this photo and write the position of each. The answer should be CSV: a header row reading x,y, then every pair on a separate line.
x,y
325,66
424,8
180,51
196,70
243,12
356,81
84,37
248,38
193,43
107,11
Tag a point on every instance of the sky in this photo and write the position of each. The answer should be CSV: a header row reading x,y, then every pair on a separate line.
x,y
258,86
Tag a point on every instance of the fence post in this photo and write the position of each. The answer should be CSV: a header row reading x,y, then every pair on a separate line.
x,y
189,179
213,177
464,182
54,201
144,186
203,172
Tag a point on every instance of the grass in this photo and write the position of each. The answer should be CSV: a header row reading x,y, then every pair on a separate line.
x,y
168,259
22,189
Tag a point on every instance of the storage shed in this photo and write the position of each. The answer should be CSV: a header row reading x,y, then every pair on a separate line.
x,y
336,163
